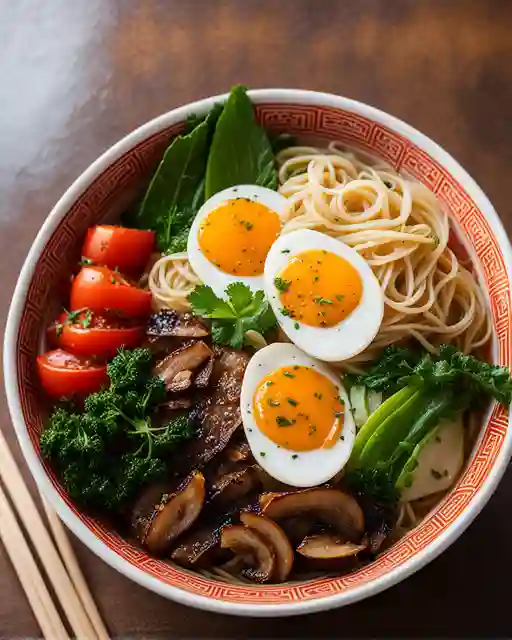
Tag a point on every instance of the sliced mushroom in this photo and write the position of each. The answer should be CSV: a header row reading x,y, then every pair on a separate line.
x,y
326,546
181,381
325,551
157,522
170,322
189,357
330,506
204,374
254,549
297,528
233,486
276,537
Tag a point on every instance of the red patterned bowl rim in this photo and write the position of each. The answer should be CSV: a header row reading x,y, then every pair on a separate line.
x,y
352,122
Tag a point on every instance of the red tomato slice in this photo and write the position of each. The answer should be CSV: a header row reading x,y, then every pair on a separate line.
x,y
64,375
117,247
94,335
100,288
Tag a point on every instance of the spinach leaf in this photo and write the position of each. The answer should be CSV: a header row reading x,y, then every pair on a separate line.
x,y
172,229
177,178
194,120
241,152
176,191
282,141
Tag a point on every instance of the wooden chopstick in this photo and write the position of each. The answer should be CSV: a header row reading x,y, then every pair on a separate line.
x,y
31,580
48,555
70,561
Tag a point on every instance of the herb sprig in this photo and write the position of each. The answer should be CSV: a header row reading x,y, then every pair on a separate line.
x,y
232,318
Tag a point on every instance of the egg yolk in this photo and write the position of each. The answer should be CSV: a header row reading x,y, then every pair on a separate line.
x,y
237,236
319,288
298,409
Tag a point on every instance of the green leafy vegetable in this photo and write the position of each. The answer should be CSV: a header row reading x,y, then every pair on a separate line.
x,y
105,454
386,373
241,152
176,190
430,388
231,319
212,116
282,141
470,375
375,484
223,148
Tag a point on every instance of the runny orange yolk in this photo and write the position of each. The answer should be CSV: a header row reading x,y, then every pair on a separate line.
x,y
319,288
237,236
299,409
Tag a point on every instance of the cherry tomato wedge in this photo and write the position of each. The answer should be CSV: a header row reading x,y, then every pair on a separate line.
x,y
91,334
100,288
117,247
64,375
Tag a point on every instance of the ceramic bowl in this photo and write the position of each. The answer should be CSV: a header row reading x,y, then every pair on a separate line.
x,y
108,186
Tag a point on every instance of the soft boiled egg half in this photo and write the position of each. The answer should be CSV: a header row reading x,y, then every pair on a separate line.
x,y
231,236
296,416
324,294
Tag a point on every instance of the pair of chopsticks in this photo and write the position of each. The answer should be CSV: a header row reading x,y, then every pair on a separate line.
x,y
55,555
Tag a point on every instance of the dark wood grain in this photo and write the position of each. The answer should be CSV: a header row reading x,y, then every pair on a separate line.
x,y
76,76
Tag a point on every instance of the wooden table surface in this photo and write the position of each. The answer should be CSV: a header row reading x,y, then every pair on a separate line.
x,y
76,75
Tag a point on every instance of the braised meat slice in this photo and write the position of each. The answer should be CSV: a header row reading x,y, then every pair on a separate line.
x,y
186,358
218,412
181,381
232,486
170,322
199,548
204,374
161,346
234,456
176,404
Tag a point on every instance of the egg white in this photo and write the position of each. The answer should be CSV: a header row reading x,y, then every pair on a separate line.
x,y
310,468
207,272
350,336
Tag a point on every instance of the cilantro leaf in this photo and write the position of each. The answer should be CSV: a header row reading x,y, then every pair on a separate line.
x,y
222,333
238,335
266,318
240,296
231,319
204,302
